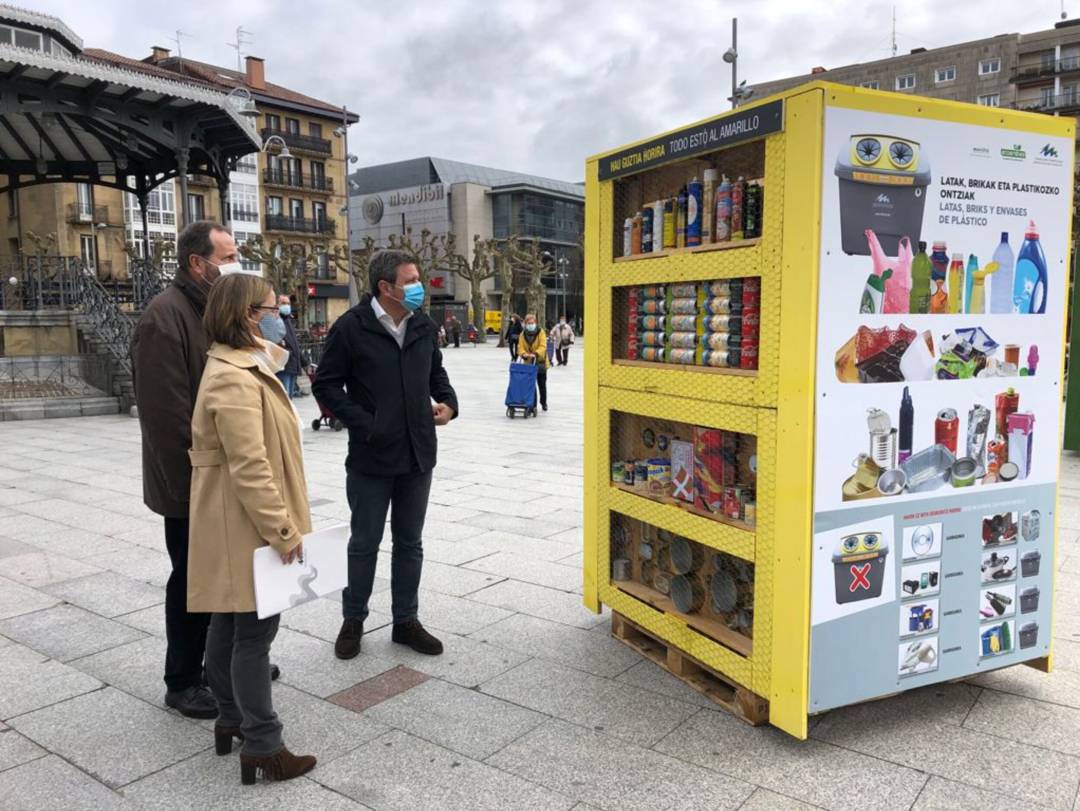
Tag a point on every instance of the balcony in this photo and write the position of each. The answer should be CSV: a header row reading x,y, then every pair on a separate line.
x,y
201,180
242,214
298,142
1045,70
77,214
296,180
301,225
1061,103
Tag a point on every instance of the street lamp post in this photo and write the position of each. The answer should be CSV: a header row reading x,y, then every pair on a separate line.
x,y
739,91
343,132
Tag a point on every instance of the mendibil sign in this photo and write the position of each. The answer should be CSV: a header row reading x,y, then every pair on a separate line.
x,y
740,125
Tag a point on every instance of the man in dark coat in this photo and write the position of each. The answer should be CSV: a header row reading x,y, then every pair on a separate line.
x,y
294,365
168,353
380,371
455,330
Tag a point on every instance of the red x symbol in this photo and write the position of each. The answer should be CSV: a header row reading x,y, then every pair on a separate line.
x,y
858,577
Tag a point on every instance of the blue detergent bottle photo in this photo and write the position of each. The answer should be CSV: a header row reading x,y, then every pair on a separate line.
x,y
1029,285
1001,285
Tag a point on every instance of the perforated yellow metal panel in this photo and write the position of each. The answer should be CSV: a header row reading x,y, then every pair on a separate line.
x,y
761,259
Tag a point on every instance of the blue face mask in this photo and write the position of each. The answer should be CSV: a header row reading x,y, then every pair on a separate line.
x,y
285,309
530,328
414,296
272,328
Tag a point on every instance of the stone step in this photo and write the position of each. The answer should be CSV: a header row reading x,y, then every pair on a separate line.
x,y
59,407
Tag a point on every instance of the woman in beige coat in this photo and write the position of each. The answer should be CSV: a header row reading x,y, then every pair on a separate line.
x,y
247,491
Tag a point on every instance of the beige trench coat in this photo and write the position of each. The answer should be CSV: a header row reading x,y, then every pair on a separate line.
x,y
247,486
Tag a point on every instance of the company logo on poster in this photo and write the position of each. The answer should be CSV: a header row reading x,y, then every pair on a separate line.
x,y
1014,153
1049,156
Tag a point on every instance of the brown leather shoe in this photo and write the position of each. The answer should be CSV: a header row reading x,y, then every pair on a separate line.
x,y
281,766
347,645
223,738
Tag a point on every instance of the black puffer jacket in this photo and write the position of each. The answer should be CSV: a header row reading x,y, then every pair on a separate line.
x,y
383,393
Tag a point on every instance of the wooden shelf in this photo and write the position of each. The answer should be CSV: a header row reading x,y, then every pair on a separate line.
x,y
712,246
716,370
682,505
713,629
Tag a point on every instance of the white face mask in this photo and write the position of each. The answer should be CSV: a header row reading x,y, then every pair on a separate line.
x,y
236,267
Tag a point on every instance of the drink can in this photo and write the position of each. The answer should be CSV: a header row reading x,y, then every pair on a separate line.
x,y
683,323
651,322
748,354
653,353
652,338
751,322
684,356
722,323
652,306
651,291
647,230
751,283
732,502
947,428
683,306
721,287
683,290
718,358
718,305
995,454
641,473
751,298
738,197
629,469
721,340
683,340
618,473
693,212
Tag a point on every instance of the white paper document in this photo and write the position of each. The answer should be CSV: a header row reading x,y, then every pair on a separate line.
x,y
325,569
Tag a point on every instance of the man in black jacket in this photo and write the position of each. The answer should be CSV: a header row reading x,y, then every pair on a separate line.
x,y
382,375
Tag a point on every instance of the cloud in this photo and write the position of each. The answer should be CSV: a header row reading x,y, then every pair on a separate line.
x,y
532,85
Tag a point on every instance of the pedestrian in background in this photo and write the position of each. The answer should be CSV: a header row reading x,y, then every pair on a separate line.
x,y
294,365
382,375
564,337
168,352
248,491
455,331
532,348
513,332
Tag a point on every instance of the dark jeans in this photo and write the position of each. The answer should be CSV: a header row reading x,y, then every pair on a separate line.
x,y
541,383
184,631
513,350
369,498
238,669
562,354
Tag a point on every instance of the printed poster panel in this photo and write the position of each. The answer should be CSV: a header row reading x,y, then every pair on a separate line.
x,y
944,255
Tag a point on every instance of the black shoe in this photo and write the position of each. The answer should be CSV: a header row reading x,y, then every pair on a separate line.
x,y
194,702
275,672
412,633
544,406
347,645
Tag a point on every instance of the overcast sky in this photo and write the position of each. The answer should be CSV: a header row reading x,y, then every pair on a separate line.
x,y
532,85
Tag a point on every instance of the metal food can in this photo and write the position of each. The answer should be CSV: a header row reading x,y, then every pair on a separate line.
x,y
683,323
750,512
628,472
684,356
641,473
618,473
963,472
947,428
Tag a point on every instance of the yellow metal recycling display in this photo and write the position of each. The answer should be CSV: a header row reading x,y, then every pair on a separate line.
x,y
934,570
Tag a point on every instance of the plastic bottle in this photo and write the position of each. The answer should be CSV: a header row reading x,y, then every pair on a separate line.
x,y
920,281
907,423
669,223
956,283
658,225
708,206
969,280
1001,286
1029,285
723,211
693,213
939,301
635,234
977,297
752,211
874,293
738,197
628,225
647,229
680,219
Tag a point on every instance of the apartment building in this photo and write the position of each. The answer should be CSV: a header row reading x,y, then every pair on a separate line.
x,y
295,195
1039,72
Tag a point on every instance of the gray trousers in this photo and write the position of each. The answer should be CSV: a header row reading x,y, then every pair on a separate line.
x,y
238,670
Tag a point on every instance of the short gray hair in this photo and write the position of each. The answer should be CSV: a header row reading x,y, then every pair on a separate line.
x,y
194,240
383,268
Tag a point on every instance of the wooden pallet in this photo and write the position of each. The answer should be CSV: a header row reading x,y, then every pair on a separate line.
x,y
735,698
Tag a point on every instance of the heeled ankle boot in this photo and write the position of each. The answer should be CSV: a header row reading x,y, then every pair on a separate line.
x,y
281,766
223,738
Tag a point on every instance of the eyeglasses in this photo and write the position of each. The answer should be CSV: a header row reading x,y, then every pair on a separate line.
x,y
274,309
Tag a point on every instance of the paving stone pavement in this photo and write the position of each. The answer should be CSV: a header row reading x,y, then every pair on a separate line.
x,y
533,705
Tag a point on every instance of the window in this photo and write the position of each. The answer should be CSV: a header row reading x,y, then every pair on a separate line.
x,y
990,100
1046,97
241,237
88,251
243,203
28,39
292,125
316,311
318,174
247,164
292,174
196,207
273,165
273,122
274,206
945,74
905,81
872,85
1068,95
318,213
58,49
1046,61
296,208
314,130
84,194
988,66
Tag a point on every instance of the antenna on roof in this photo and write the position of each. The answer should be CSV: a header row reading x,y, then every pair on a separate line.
x,y
242,38
179,49
894,30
